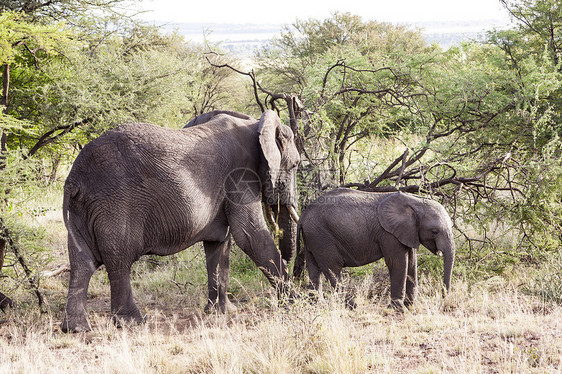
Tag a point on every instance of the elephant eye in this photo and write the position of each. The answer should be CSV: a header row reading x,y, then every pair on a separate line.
x,y
435,231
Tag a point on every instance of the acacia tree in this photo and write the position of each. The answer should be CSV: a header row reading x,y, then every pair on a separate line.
x,y
467,126
137,74
538,25
326,65
22,43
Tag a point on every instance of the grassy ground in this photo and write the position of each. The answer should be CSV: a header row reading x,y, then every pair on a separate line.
x,y
492,326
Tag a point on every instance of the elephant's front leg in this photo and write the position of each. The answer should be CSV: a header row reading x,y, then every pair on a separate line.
x,y
397,263
218,261
250,232
412,278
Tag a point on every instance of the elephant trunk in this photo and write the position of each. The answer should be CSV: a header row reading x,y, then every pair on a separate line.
x,y
288,238
448,261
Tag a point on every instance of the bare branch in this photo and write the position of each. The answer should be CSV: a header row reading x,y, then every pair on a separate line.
x,y
401,171
248,74
6,235
48,137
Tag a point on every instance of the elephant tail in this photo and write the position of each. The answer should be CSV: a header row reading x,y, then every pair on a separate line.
x,y
78,238
300,258
71,189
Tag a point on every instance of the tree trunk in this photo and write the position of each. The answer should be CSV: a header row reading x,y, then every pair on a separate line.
x,y
4,103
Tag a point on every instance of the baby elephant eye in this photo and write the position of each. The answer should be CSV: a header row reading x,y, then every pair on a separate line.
x,y
435,231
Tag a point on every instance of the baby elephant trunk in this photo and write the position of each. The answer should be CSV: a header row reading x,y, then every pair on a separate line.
x,y
448,261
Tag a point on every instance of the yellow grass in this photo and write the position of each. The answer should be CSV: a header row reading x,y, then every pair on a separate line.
x,y
493,328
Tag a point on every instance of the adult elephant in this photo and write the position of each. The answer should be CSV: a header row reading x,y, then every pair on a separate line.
x,y
142,189
345,227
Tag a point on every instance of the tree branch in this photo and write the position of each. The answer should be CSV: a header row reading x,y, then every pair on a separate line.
x,y
250,74
48,137
6,235
294,104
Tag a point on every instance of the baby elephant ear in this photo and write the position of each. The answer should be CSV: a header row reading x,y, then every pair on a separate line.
x,y
397,217
268,129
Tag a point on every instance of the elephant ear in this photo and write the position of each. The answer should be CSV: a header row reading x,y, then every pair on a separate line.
x,y
397,217
270,145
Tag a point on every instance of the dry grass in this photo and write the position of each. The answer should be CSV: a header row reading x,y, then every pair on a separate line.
x,y
491,328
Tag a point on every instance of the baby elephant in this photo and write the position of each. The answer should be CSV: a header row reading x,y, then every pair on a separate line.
x,y
345,227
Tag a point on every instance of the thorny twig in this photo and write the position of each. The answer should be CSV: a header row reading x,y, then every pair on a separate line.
x,y
6,235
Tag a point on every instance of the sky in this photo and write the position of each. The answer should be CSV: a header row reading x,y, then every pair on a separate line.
x,y
287,11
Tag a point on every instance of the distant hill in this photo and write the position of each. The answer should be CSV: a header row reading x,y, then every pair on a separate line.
x,y
244,39
241,39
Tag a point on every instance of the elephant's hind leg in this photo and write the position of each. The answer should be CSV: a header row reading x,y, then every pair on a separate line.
x,y
123,307
218,260
314,272
314,275
334,276
83,265
119,245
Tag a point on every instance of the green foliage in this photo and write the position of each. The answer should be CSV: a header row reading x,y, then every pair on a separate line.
x,y
20,38
476,126
339,67
110,85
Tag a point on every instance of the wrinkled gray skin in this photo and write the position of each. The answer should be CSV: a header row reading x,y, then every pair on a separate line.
x,y
346,228
142,189
283,196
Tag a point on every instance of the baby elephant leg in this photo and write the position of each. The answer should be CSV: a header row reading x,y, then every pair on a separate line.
x,y
335,278
314,272
412,278
397,267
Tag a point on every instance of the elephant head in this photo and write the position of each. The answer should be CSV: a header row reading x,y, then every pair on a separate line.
x,y
278,172
414,221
